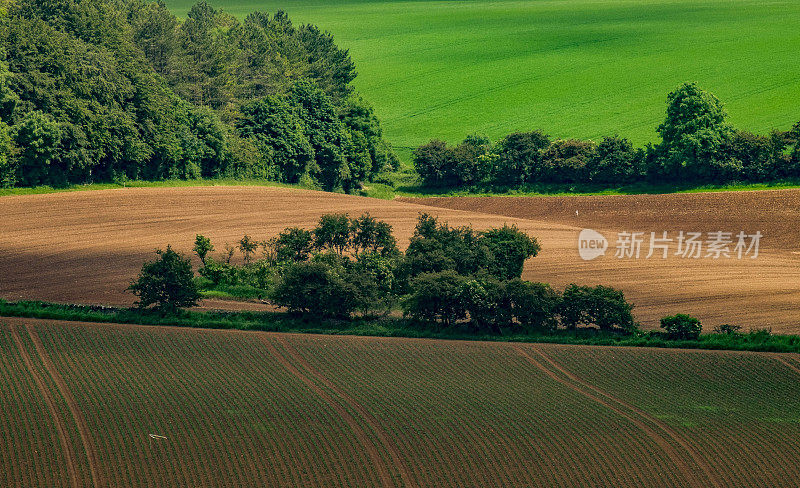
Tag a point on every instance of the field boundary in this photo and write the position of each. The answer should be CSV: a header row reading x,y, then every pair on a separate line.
x,y
635,417
372,450
61,430
374,423
77,414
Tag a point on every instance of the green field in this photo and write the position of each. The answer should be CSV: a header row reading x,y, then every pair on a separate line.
x,y
576,68
242,409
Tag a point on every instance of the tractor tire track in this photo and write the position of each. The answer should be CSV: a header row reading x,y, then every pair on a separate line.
x,y
657,438
369,446
696,456
77,414
777,357
374,423
61,430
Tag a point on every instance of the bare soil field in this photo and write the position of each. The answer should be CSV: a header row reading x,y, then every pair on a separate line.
x,y
85,247
753,293
239,409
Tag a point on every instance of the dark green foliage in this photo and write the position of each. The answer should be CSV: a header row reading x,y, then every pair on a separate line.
x,y
727,329
437,297
468,163
202,246
698,147
315,287
370,235
437,247
614,162
273,123
565,161
8,173
510,248
600,306
333,233
761,340
533,305
294,244
434,164
248,247
168,283
681,326
693,135
762,157
520,157
39,138
487,304
96,90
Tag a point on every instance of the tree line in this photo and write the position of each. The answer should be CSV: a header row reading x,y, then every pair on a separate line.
x,y
102,90
698,145
449,277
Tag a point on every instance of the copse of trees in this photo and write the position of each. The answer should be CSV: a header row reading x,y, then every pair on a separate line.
x,y
101,90
698,145
449,277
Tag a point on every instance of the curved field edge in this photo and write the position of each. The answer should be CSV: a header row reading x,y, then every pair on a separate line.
x,y
253,408
384,191
385,327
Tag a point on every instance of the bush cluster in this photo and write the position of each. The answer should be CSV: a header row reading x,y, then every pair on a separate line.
x,y
448,277
698,145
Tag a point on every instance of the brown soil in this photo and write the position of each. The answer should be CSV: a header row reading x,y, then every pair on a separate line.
x,y
85,247
754,293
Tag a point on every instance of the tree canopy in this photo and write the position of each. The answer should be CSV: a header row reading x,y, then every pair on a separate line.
x,y
102,90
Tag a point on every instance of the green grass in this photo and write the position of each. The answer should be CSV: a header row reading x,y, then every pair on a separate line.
x,y
145,184
575,68
384,327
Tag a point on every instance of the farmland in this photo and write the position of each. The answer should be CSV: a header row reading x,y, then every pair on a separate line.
x,y
85,247
574,68
250,408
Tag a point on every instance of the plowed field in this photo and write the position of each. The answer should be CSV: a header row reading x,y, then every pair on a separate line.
x,y
238,409
85,247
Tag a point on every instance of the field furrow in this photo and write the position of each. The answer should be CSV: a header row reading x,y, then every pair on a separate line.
x,y
61,428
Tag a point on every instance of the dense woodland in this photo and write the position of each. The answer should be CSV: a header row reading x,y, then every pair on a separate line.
x,y
109,90
698,146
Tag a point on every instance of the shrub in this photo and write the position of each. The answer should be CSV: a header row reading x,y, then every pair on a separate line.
x,y
519,157
294,244
332,232
314,287
437,297
218,273
727,329
434,163
168,283
509,248
564,161
486,302
614,162
372,235
202,246
436,247
602,306
248,247
532,305
681,326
